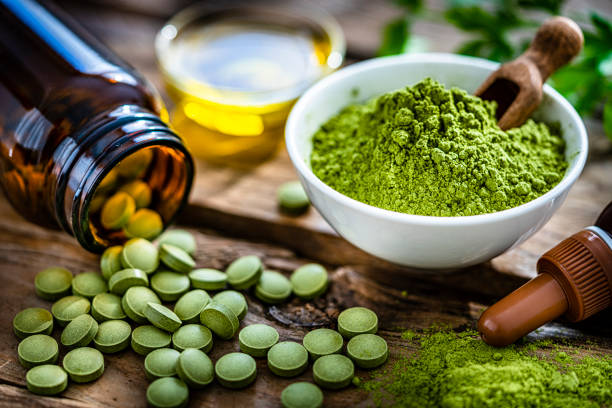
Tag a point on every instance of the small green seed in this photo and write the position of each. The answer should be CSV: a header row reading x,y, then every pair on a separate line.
x,y
46,379
321,342
190,305
220,319
33,320
333,371
302,395
135,300
257,339
125,279
309,281
367,350
292,198
68,308
193,336
138,253
117,210
175,258
144,223
107,306
147,338
140,192
208,279
113,336
53,283
169,285
36,350
161,363
88,285
110,262
162,317
287,359
195,368
357,320
84,364
273,287
179,238
79,332
236,370
235,301
244,272
167,392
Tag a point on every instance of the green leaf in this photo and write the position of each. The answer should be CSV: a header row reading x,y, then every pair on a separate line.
x,y
552,6
413,6
607,117
396,35
603,26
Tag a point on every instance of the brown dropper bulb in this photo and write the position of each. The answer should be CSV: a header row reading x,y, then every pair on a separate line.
x,y
574,279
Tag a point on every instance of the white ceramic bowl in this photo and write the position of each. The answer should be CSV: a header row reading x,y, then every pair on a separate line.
x,y
420,241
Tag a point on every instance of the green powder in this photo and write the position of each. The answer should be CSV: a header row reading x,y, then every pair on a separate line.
x,y
458,370
428,150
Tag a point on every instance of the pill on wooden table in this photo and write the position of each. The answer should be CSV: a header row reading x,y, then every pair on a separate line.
x,y
309,281
302,395
68,308
321,342
84,364
161,363
144,223
292,198
167,392
367,350
33,320
88,285
179,238
107,306
273,287
110,261
162,317
135,300
147,338
208,279
175,258
36,350
189,306
234,300
244,272
194,336
121,281
236,370
46,379
357,320
220,319
138,253
195,368
113,336
287,359
256,339
79,332
169,285
53,283
334,371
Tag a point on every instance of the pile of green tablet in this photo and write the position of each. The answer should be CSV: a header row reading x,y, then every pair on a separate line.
x,y
136,278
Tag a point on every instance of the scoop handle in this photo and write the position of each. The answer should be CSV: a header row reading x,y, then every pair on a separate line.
x,y
557,41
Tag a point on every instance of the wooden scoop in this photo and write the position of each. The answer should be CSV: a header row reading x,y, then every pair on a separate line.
x,y
517,85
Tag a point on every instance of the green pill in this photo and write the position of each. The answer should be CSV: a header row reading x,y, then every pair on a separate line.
x,y
110,262
36,350
333,371
162,317
175,258
321,342
161,363
244,272
292,198
309,281
195,368
107,306
220,319
139,191
88,285
138,253
236,370
33,320
302,395
108,183
367,350
135,300
169,285
46,379
193,336
190,305
135,165
79,332
147,338
167,392
113,336
125,279
357,320
117,210
84,364
288,359
53,283
257,339
68,308
273,287
180,239
208,279
144,223
235,302
96,203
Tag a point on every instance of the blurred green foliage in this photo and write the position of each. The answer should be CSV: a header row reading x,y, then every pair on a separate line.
x,y
586,82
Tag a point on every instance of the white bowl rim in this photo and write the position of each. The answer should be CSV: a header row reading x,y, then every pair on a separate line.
x,y
297,113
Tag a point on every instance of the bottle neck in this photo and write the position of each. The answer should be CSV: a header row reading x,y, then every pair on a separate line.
x,y
81,163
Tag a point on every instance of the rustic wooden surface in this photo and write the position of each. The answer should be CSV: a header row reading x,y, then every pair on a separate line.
x,y
233,212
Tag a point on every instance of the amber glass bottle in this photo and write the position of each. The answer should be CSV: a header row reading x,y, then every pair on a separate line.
x,y
70,112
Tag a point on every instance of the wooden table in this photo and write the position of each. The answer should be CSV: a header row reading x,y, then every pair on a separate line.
x,y
230,218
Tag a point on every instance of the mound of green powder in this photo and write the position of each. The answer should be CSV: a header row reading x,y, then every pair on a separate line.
x,y
429,150
458,370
